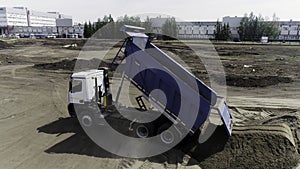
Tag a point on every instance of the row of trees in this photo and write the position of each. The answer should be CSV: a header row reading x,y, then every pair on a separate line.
x,y
111,29
108,28
252,28
91,28
169,28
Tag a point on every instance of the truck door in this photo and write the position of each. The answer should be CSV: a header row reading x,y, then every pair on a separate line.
x,y
76,91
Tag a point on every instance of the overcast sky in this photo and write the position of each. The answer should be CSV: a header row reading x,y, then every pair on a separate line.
x,y
189,10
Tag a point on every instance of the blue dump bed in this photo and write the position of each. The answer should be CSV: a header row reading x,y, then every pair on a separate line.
x,y
186,100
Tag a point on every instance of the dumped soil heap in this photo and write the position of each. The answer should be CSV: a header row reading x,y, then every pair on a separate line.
x,y
70,65
12,60
255,81
270,146
4,45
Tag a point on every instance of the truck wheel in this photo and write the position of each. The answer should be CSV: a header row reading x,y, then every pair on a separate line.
x,y
168,135
71,110
86,119
143,130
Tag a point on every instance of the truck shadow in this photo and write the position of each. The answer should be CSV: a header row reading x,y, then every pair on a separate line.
x,y
81,144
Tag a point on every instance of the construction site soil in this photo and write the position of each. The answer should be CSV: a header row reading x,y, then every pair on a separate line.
x,y
263,95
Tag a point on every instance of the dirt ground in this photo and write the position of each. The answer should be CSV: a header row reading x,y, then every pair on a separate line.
x,y
263,85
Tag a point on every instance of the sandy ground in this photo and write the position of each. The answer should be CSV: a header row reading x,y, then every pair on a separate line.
x,y
37,133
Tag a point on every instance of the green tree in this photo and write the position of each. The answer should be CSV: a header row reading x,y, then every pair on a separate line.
x,y
228,32
270,29
109,29
222,32
134,21
88,29
126,20
252,28
106,32
98,24
106,26
147,24
218,31
169,28
85,30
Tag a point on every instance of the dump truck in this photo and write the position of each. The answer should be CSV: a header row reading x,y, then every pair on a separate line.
x,y
186,105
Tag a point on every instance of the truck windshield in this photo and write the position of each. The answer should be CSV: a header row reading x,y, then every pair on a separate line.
x,y
76,86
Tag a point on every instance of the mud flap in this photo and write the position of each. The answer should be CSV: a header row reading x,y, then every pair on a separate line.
x,y
227,119
225,115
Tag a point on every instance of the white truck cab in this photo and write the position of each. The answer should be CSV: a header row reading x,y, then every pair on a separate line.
x,y
91,86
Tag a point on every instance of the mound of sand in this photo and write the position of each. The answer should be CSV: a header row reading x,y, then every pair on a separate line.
x,y
270,146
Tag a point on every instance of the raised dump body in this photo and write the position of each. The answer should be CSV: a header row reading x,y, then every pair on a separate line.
x,y
187,101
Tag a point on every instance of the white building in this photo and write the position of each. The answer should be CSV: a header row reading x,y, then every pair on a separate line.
x,y
20,20
289,30
36,18
16,16
64,22
196,30
187,30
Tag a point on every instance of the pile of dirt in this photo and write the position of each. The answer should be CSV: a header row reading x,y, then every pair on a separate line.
x,y
232,50
5,59
236,53
253,147
255,81
226,49
231,79
253,69
261,68
13,60
244,80
25,42
63,42
4,45
82,44
70,65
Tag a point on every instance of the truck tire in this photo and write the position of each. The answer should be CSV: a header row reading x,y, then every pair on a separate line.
x,y
143,130
71,110
168,135
86,119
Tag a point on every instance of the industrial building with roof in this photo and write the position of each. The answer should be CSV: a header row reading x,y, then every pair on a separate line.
x,y
289,30
20,20
23,21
